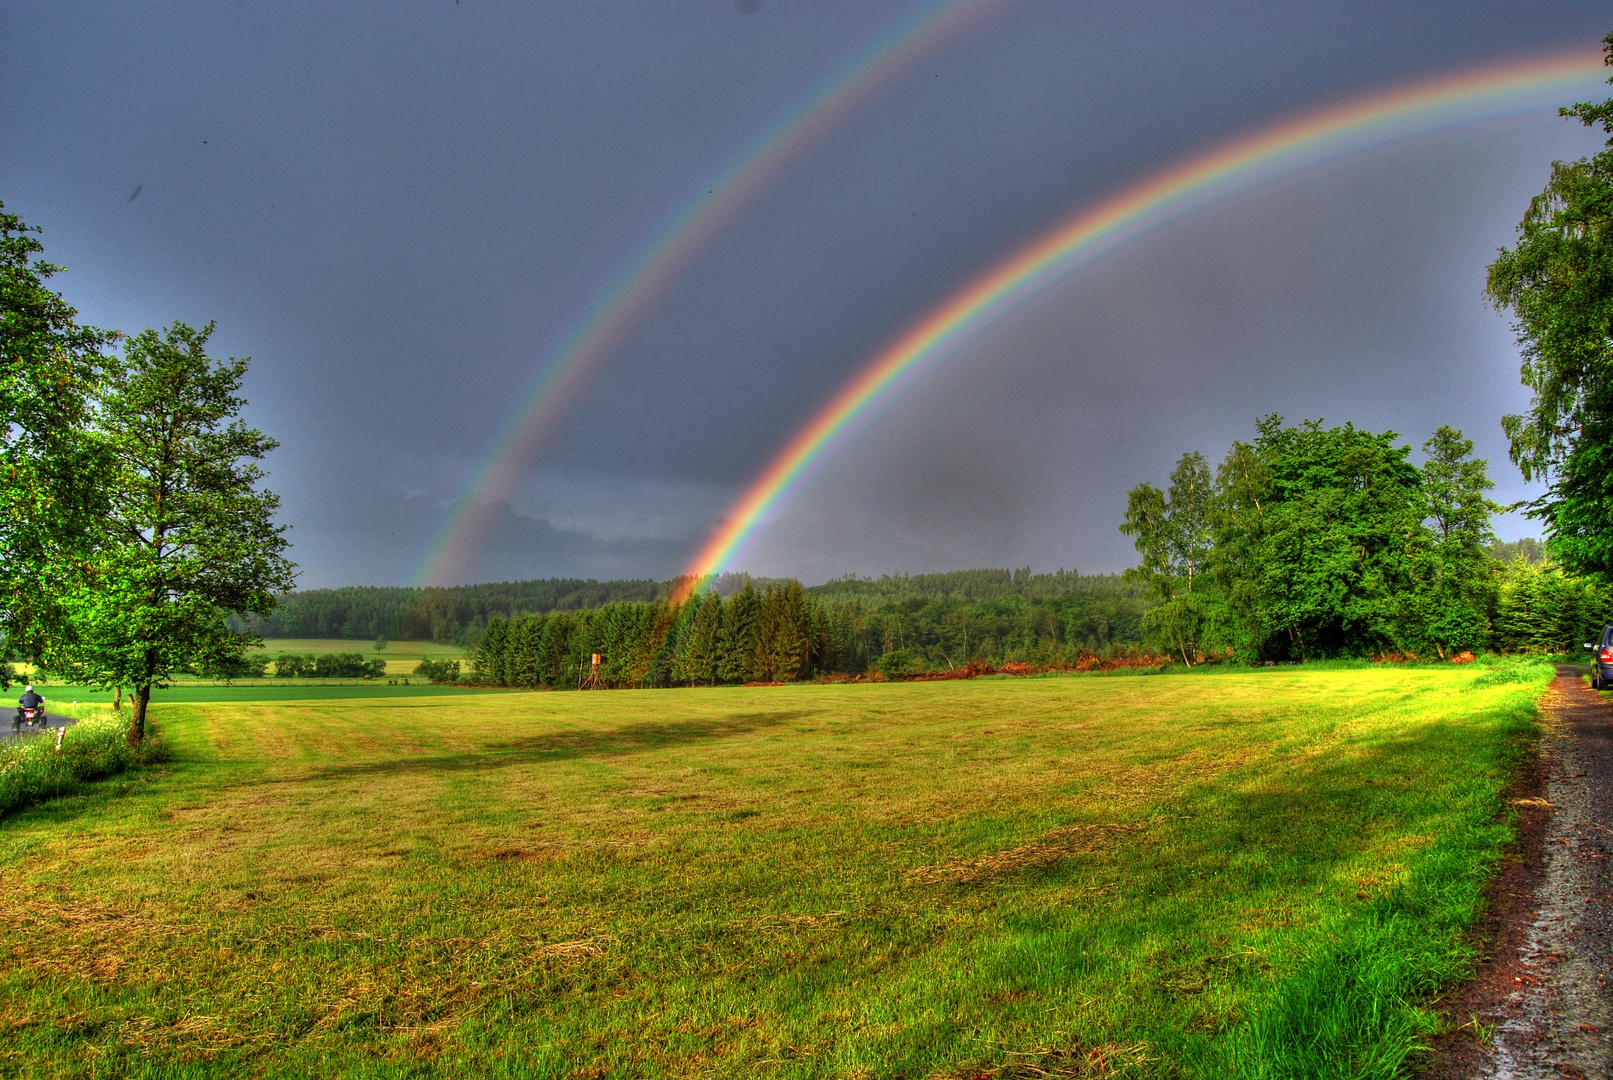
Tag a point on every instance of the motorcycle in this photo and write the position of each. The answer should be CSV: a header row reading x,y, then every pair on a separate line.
x,y
30,717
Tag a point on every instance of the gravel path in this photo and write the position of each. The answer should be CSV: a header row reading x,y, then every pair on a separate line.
x,y
1557,1021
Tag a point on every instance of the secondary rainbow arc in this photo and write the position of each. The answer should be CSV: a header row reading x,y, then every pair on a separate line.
x,y
643,283
1375,119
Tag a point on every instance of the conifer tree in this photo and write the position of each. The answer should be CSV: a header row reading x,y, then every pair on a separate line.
x,y
697,655
737,653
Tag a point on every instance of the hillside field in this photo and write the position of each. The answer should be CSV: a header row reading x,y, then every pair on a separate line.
x,y
1201,875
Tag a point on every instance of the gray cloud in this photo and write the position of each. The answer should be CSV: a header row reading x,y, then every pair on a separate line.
x,y
399,215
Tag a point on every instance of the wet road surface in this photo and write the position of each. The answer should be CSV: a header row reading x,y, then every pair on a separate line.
x,y
52,722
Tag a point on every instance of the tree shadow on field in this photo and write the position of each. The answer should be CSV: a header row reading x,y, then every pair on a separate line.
x,y
557,746
1328,810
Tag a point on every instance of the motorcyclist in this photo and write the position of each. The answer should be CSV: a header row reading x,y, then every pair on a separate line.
x,y
29,700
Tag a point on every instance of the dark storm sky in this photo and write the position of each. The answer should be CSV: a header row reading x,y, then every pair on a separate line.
x,y
399,211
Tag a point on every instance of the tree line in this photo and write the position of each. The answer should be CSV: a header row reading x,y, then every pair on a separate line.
x,y
1311,542
783,632
458,615
449,616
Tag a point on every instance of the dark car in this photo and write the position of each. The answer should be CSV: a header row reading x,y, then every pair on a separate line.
x,y
1602,660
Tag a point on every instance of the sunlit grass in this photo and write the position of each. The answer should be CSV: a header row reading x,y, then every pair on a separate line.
x,y
802,881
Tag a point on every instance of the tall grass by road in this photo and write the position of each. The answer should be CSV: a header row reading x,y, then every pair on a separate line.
x,y
1260,874
38,766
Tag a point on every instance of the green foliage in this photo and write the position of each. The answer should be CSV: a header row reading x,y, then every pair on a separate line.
x,y
782,632
1173,536
294,665
32,769
1558,283
1540,607
968,586
351,665
896,664
438,671
226,668
1527,549
51,467
1329,560
1330,542
449,616
189,537
336,665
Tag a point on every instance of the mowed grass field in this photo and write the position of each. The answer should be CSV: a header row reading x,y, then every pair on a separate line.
x,y
1198,876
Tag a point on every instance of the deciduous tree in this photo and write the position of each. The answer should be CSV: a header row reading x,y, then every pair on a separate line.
x,y
190,536
1558,283
51,467
1455,577
1173,537
1328,564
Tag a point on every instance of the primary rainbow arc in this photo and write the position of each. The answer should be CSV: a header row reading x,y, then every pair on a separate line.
x,y
1373,120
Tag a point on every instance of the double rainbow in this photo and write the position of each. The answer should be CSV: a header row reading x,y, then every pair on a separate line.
x,y
1422,108
646,280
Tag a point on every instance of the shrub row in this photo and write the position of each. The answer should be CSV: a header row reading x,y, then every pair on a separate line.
x,y
342,665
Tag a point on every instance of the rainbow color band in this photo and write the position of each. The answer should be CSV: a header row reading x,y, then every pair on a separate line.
x,y
647,279
1373,120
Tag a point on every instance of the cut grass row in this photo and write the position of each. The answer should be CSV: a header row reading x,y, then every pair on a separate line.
x,y
1260,874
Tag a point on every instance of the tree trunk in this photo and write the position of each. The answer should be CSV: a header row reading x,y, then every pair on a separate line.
x,y
137,714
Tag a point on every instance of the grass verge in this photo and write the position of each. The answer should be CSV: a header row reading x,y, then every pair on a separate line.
x,y
34,768
1358,1007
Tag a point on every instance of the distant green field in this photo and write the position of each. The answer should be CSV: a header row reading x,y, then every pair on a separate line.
x,y
1246,875
400,656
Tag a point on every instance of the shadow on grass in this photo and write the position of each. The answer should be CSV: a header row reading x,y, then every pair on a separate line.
x,y
557,746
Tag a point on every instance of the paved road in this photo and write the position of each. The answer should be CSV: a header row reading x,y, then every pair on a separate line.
x,y
1558,1020
52,722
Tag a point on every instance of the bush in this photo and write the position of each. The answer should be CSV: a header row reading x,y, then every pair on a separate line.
x,y
346,665
896,664
32,769
439,671
247,667
293,666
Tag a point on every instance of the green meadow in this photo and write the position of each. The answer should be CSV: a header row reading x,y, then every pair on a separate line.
x,y
1262,874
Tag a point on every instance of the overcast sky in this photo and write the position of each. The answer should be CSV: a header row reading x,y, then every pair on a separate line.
x,y
399,211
